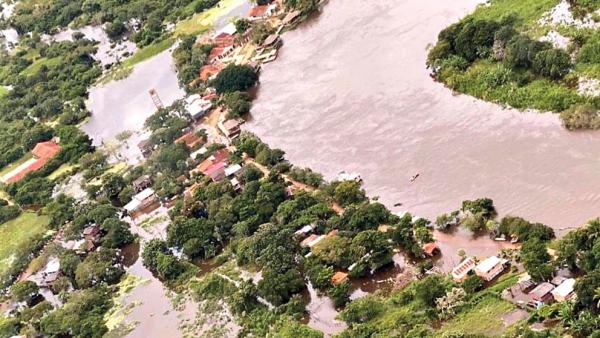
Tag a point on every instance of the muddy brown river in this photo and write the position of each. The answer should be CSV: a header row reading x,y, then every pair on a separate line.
x,y
350,91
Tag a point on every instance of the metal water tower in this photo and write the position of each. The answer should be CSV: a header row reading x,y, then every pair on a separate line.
x,y
156,99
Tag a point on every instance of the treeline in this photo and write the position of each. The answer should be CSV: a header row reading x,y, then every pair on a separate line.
x,y
87,279
147,18
497,60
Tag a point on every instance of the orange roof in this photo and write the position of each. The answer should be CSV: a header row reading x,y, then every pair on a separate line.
x,y
332,233
191,140
339,277
430,248
215,53
47,149
258,11
32,167
207,71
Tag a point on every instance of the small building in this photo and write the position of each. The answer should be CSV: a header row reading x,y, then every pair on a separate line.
x,y
233,170
312,240
290,17
490,268
216,171
461,271
235,183
303,232
272,41
191,140
197,107
431,249
339,278
258,12
141,183
565,290
231,128
526,284
542,293
92,233
145,148
219,53
142,200
42,153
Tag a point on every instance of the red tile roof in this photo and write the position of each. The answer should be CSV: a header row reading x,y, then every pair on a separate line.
x,y
339,277
215,53
207,71
47,149
258,11
430,248
191,140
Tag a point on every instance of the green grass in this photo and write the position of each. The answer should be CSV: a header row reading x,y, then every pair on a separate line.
x,y
528,11
65,168
36,65
485,318
15,164
17,232
3,91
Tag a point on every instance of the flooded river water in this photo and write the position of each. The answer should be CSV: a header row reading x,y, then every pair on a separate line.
x,y
350,91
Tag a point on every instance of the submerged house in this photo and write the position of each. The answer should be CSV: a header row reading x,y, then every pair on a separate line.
x,y
141,201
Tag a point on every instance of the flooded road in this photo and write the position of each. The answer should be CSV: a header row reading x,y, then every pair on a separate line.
x,y
350,91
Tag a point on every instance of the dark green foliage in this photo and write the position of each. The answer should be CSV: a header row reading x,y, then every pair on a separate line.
x,y
473,284
340,294
525,230
581,117
61,210
24,291
80,317
361,310
430,288
117,233
237,103
306,176
9,212
189,58
552,63
537,260
99,267
234,78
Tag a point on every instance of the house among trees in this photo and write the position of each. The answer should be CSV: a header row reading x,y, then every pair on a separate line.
x,y
260,12
312,240
565,290
191,140
145,148
143,200
542,293
461,271
431,249
490,268
197,106
42,153
231,128
141,183
92,235
339,278
303,232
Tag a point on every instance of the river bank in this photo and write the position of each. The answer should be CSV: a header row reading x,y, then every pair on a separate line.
x,y
404,123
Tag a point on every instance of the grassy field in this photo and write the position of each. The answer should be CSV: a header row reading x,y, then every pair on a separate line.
x,y
483,319
35,66
15,164
18,231
3,91
65,168
528,11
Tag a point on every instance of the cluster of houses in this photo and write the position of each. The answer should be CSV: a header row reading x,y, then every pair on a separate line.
x,y
41,154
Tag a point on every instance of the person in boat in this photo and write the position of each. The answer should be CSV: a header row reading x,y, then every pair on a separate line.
x,y
414,177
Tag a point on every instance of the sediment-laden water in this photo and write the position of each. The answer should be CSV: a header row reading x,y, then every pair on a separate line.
x,y
350,91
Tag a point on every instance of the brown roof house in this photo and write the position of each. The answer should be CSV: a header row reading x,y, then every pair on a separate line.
x,y
143,182
542,293
42,153
191,140
339,278
231,128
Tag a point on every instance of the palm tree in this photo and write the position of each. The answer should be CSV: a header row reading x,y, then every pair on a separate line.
x,y
597,296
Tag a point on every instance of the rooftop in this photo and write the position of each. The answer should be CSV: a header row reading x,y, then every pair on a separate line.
x,y
488,264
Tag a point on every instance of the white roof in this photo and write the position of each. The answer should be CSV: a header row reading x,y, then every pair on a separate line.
x,y
565,288
234,181
304,229
138,199
52,266
488,264
232,169
228,29
200,151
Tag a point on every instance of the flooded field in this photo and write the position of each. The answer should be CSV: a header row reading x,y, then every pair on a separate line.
x,y
125,104
350,91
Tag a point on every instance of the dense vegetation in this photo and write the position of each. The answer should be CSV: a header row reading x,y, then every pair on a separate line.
x,y
496,54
